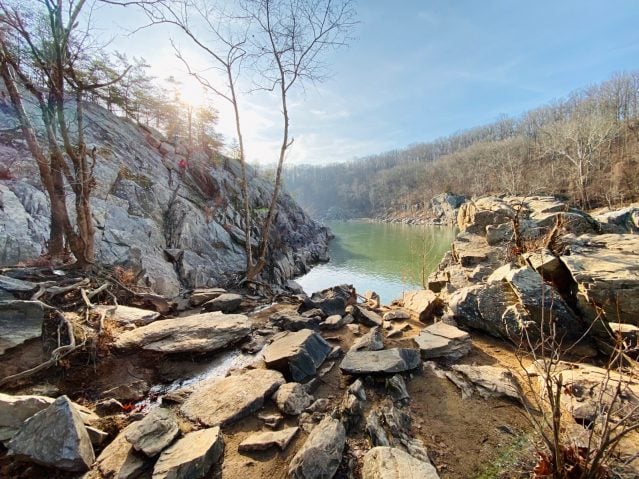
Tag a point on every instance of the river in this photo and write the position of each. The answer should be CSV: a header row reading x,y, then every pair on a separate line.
x,y
382,257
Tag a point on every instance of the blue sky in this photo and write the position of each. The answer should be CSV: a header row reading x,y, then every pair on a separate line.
x,y
418,70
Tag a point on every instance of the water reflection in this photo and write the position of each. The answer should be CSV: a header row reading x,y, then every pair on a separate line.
x,y
386,258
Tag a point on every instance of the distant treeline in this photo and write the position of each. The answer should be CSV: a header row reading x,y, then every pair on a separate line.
x,y
584,147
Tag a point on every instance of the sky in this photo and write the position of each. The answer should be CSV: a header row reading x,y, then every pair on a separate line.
x,y
417,70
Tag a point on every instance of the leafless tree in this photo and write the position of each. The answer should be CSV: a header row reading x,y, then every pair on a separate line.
x,y
41,48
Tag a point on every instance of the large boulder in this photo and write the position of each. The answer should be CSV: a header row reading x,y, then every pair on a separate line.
x,y
392,463
55,437
367,317
446,206
474,216
297,355
292,321
20,321
423,302
333,300
386,361
625,220
154,432
223,401
606,271
321,454
199,333
193,456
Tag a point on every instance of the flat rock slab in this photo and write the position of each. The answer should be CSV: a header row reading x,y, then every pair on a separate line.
x,y
226,303
14,285
199,333
55,437
268,439
200,296
224,401
297,355
321,454
443,340
125,315
20,321
193,456
392,463
154,432
488,381
396,315
386,361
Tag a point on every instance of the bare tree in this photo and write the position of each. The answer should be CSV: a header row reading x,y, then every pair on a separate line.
x,y
40,51
285,41
581,141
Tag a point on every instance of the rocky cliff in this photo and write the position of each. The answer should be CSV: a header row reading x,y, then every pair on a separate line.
x,y
176,229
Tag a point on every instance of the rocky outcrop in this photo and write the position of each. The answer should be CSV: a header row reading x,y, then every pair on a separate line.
x,y
55,437
321,454
224,401
198,333
175,231
445,208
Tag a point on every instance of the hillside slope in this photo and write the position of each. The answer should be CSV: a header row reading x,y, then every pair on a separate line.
x,y
177,231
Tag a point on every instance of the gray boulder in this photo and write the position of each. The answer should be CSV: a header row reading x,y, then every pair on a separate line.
x,y
386,361
199,333
226,303
367,317
20,321
292,399
154,433
333,300
392,463
14,410
54,437
224,401
193,456
291,321
297,355
321,454
371,341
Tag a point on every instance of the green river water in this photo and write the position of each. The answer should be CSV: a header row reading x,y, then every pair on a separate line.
x,y
382,257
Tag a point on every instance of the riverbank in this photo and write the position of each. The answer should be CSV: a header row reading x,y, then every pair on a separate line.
x,y
331,384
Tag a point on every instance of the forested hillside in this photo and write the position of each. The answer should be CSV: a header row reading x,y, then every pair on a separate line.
x,y
583,147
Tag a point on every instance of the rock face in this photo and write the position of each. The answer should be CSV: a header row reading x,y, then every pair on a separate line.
x,y
192,456
321,454
199,333
297,355
226,400
386,361
142,207
19,322
445,207
392,463
606,271
153,433
55,437
442,340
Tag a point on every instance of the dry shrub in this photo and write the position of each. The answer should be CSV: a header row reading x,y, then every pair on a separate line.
x,y
126,276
